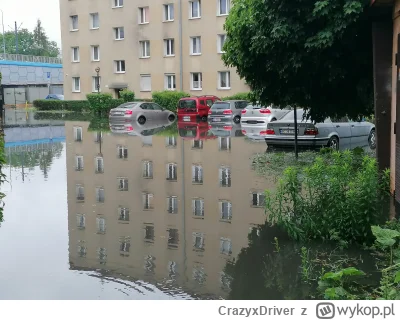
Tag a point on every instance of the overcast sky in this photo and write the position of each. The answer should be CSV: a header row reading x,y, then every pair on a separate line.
x,y
28,11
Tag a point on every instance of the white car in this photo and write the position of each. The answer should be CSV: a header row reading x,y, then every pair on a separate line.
x,y
257,114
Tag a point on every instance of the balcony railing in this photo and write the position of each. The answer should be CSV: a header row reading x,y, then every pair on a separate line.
x,y
27,58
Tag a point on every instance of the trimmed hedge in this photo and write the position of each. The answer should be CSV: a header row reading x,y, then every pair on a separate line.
x,y
239,96
127,95
169,99
70,105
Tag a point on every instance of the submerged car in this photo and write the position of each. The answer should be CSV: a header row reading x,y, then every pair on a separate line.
x,y
330,133
254,114
254,132
229,129
140,112
134,128
230,110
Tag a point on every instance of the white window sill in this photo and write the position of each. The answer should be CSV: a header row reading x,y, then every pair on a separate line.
x,y
169,56
168,20
74,30
76,91
96,28
143,23
95,60
117,7
194,18
119,72
222,14
170,90
227,88
77,61
221,52
144,57
196,89
119,39
195,54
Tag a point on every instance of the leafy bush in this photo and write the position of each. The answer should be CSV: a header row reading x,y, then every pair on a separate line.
x,y
115,103
239,96
70,105
127,95
168,99
144,100
99,124
337,197
102,102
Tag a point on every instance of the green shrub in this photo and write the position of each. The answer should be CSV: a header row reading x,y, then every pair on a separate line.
x,y
70,105
169,99
115,103
99,124
127,95
100,102
144,100
239,96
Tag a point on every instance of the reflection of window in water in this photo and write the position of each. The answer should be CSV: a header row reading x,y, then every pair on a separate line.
x,y
198,207
149,233
188,133
198,241
173,238
81,249
123,214
197,144
170,141
199,275
257,199
149,263
172,269
80,221
100,194
225,176
148,169
225,281
124,245
172,204
224,143
225,208
225,246
101,225
102,255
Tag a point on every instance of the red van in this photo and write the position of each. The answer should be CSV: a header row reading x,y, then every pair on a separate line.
x,y
194,130
194,108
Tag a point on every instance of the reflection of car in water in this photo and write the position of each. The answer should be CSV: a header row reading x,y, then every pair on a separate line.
x,y
134,128
261,114
254,132
194,130
226,129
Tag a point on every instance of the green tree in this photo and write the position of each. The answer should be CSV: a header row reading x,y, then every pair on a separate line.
x,y
41,44
312,54
25,41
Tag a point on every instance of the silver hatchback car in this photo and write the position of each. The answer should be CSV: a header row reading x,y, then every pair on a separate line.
x,y
254,114
226,111
140,112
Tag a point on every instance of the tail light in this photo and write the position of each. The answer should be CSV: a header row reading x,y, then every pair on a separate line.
x,y
227,127
227,112
265,110
209,127
128,112
311,131
244,131
269,131
263,133
130,128
209,112
244,111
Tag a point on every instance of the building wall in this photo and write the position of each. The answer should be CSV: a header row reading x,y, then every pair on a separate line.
x,y
209,62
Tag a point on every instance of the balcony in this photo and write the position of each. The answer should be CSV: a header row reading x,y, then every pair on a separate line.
x,y
27,58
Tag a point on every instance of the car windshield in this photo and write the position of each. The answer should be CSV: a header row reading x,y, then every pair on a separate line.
x,y
257,106
187,104
219,105
127,105
290,115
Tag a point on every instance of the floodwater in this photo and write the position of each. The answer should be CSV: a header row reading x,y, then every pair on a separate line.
x,y
131,213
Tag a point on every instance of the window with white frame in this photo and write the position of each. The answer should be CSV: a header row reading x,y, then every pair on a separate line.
x,y
198,207
96,84
224,80
143,15
225,210
80,221
122,184
148,169
119,33
170,141
74,22
76,84
221,42
119,66
198,241
194,9
172,204
225,246
195,45
196,81
144,49
99,164
94,20
197,144
122,152
197,174
169,47
100,194
172,174
223,7
257,199
80,192
225,176
78,134
170,82
169,12
124,244
224,143
79,163
123,214
117,3
95,53
75,54
145,82
101,225
147,201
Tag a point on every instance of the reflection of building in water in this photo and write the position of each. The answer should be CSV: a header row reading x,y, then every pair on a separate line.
x,y
134,210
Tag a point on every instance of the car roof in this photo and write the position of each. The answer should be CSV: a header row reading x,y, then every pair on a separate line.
x,y
197,97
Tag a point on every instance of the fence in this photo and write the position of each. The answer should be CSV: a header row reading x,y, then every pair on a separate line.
x,y
27,58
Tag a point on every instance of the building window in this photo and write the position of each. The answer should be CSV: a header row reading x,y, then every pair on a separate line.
x,y
171,172
95,53
197,144
76,84
74,22
168,12
223,7
224,80
198,241
173,238
198,207
172,204
100,194
99,164
147,199
257,199
147,141
75,54
224,143
170,141
94,21
80,221
118,3
196,81
122,152
195,45
143,15
122,184
102,255
123,214
96,84
144,49
199,275
221,42
80,192
197,174
148,169
78,134
145,82
169,47
119,33
170,82
195,9
225,210
124,245
225,177
81,251
79,163
119,66
225,246
98,136
149,233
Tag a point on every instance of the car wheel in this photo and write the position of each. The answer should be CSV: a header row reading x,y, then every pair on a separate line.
x,y
372,139
333,143
236,119
204,118
142,120
171,117
273,119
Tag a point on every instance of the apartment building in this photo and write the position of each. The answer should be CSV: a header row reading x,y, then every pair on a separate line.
x,y
160,209
146,45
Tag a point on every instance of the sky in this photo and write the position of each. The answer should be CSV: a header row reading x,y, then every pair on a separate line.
x,y
28,11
